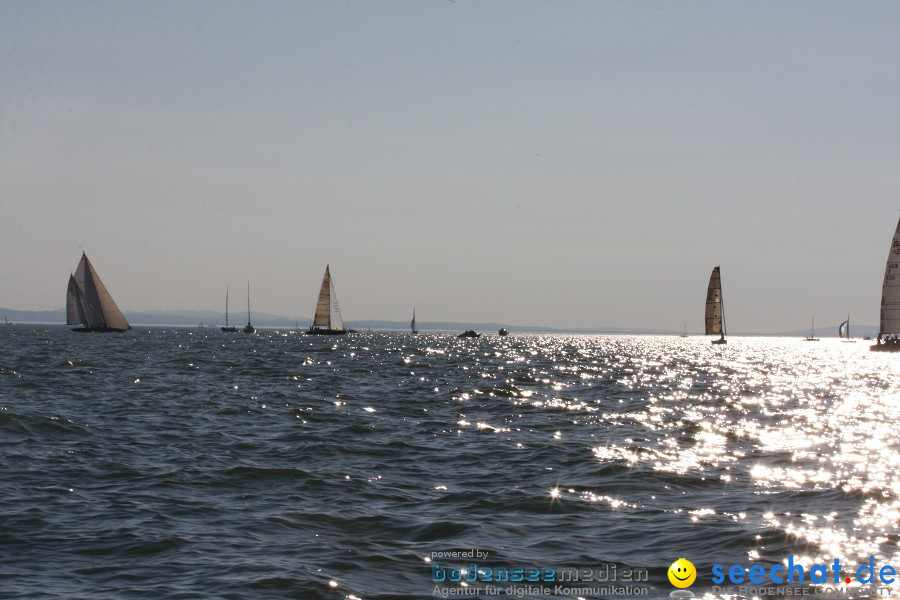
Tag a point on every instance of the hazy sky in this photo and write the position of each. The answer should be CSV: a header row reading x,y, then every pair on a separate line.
x,y
566,164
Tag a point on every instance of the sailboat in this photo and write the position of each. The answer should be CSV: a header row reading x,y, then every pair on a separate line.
x,y
328,319
227,328
412,324
685,330
249,328
89,304
812,332
889,328
5,320
715,308
844,330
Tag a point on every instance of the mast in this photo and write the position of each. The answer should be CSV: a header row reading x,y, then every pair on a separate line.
x,y
226,306
248,303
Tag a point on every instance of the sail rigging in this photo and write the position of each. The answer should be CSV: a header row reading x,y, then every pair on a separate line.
x,y
227,328
715,307
89,303
249,328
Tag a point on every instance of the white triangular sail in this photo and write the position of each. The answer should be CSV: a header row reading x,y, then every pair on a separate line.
x,y
88,302
715,324
328,313
890,290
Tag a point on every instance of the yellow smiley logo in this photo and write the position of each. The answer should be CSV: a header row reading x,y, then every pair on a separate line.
x,y
682,573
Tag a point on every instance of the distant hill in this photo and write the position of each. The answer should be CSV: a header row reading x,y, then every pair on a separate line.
x,y
193,318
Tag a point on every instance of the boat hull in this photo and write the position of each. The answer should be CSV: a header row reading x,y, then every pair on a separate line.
x,y
722,341
893,346
99,330
229,329
312,331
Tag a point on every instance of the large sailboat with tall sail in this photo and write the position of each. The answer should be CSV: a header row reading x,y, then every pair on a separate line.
x,y
889,328
248,328
89,304
328,319
715,308
228,328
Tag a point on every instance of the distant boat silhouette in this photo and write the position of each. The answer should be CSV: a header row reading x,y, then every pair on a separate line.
x,y
715,308
227,328
503,332
89,304
890,301
412,324
328,319
6,321
812,332
469,333
249,328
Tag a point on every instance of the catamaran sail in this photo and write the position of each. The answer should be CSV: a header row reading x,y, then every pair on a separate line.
x,y
412,324
89,304
715,308
328,319
890,300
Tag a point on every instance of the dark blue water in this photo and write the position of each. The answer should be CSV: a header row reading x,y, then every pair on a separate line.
x,y
177,463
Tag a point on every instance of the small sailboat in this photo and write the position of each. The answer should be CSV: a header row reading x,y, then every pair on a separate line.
x,y
89,304
715,308
685,330
5,320
412,324
889,328
812,332
844,330
328,319
503,332
249,328
227,328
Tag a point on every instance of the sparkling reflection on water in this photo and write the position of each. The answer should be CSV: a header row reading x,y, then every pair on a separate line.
x,y
332,468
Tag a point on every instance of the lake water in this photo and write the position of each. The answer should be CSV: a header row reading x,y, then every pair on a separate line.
x,y
180,463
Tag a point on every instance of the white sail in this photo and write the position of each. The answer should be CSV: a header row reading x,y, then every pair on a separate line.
x,y
328,313
88,301
890,290
715,324
844,329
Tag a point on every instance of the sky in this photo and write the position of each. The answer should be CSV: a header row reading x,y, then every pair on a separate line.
x,y
575,164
